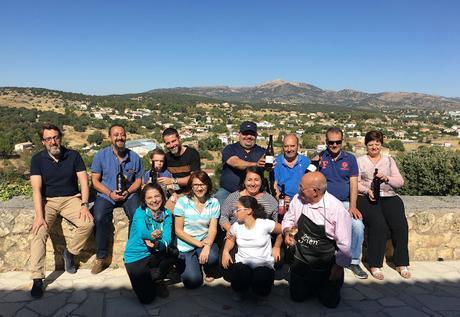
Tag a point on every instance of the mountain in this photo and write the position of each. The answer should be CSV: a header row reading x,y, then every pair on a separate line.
x,y
297,93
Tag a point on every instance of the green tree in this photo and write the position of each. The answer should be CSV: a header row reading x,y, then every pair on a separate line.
x,y
308,141
95,137
430,171
395,145
6,145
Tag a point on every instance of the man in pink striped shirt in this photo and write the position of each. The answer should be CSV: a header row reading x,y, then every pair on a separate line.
x,y
318,227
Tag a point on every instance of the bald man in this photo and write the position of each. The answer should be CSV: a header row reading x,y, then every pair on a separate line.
x,y
321,243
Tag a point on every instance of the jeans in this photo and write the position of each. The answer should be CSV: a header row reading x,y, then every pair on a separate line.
x,y
357,236
221,195
103,216
191,269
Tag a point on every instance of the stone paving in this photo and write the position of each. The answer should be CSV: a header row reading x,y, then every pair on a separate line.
x,y
434,290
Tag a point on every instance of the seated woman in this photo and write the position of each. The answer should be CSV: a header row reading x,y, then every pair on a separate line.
x,y
385,213
147,254
254,263
251,186
196,216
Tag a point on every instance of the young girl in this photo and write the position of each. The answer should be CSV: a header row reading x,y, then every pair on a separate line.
x,y
147,257
254,263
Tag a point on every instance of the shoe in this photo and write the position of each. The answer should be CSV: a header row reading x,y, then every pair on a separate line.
x,y
161,289
404,272
357,271
37,288
69,262
99,265
377,273
209,279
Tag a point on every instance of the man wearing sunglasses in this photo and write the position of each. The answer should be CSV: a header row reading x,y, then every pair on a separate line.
x,y
54,174
237,157
341,171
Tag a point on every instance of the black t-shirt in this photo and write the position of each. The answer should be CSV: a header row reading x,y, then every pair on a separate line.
x,y
59,179
181,166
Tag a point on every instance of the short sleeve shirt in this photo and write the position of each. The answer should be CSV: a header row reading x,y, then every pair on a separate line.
x,y
59,179
290,177
196,224
231,177
185,164
254,245
106,163
338,173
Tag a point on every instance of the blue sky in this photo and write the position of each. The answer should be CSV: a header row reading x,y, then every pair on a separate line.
x,y
103,47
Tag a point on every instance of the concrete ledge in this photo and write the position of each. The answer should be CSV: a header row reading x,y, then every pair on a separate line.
x,y
434,233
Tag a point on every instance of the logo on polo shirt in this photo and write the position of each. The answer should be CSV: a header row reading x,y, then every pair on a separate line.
x,y
344,166
324,164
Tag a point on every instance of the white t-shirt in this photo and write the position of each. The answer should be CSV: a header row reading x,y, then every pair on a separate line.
x,y
254,245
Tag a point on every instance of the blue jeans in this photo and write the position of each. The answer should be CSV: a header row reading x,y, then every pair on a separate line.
x,y
191,269
103,216
221,195
357,236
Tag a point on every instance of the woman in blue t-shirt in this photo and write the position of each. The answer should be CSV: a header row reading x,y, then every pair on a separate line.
x,y
196,216
148,256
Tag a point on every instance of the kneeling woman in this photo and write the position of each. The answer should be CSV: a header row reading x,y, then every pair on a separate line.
x,y
254,265
147,255
196,216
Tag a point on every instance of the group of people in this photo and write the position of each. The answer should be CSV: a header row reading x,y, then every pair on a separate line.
x,y
175,221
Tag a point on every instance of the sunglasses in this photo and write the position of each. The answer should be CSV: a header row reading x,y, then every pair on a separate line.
x,y
338,142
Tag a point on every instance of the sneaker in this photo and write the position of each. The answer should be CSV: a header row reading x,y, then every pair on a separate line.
x,y
161,289
37,288
357,271
99,265
69,262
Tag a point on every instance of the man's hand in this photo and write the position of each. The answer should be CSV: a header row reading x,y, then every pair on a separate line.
x,y
276,253
226,260
203,258
355,213
117,197
165,181
336,272
289,240
38,222
261,162
85,214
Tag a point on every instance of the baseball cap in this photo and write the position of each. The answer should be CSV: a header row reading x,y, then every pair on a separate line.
x,y
247,126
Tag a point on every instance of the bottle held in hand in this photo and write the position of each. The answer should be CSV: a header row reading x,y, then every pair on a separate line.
x,y
376,185
153,174
281,203
121,180
269,154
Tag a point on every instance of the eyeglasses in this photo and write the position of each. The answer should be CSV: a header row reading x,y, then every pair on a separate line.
x,y
338,142
52,138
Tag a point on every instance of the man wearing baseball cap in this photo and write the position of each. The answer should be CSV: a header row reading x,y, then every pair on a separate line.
x,y
237,157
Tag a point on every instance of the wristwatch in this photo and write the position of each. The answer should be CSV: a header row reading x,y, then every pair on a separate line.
x,y
174,180
84,205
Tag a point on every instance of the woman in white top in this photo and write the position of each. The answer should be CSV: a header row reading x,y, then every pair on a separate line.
x,y
254,263
382,209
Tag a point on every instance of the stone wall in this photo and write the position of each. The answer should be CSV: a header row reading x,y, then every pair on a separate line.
x,y
434,233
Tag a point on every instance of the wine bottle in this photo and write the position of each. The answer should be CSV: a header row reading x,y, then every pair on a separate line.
x,y
281,204
121,181
269,154
376,185
153,174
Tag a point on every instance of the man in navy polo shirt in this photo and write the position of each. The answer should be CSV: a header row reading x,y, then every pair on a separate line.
x,y
341,171
290,167
105,167
237,157
55,174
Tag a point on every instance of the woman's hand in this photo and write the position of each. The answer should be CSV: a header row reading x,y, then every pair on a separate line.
x,y
226,260
204,255
149,243
382,177
370,194
156,234
276,253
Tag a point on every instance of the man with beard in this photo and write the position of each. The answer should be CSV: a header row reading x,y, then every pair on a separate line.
x,y
181,161
55,174
105,167
237,157
318,227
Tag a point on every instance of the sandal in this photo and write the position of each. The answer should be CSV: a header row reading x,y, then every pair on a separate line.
x,y
404,272
377,273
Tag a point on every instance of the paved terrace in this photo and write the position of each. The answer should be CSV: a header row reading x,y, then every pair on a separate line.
x,y
434,290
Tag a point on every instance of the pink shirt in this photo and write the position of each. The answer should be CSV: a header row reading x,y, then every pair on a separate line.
x,y
385,165
337,224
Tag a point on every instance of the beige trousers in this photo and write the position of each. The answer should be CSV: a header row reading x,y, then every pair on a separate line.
x,y
69,208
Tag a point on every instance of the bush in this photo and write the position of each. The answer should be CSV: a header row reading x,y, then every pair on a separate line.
x,y
431,171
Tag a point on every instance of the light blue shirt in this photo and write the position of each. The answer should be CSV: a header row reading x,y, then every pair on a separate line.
x,y
106,163
196,224
288,176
